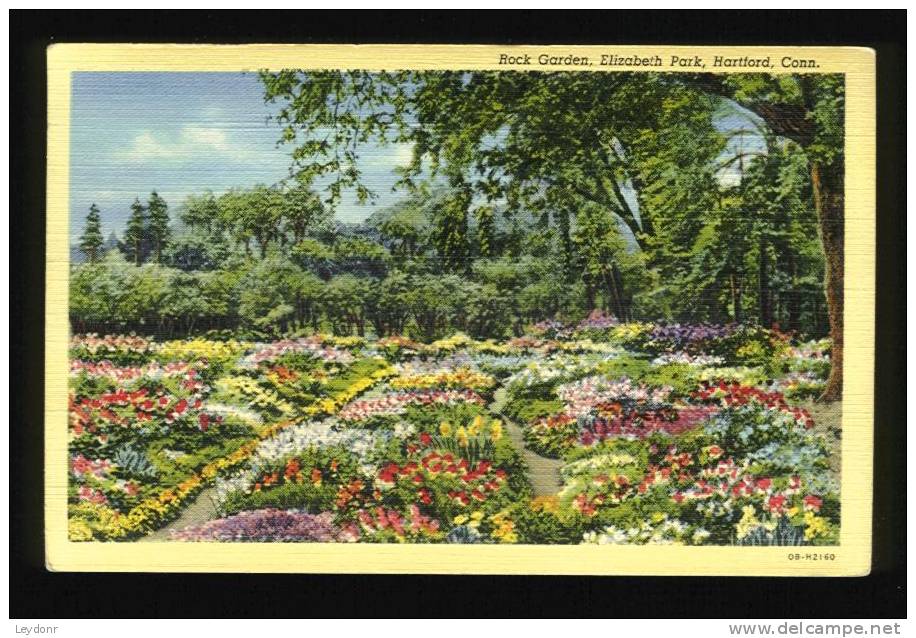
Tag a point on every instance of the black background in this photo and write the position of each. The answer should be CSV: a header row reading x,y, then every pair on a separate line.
x,y
36,593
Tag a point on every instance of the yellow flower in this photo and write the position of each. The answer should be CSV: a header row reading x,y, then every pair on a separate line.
x,y
445,429
476,425
79,530
545,503
496,430
461,519
462,436
748,521
814,526
477,516
504,530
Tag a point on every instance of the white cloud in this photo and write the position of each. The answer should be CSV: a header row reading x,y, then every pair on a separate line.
x,y
404,154
191,141
391,156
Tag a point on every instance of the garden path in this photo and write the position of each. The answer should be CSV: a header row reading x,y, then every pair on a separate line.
x,y
200,510
543,472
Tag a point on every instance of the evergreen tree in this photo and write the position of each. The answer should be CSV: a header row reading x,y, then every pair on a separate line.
x,y
91,242
158,228
135,233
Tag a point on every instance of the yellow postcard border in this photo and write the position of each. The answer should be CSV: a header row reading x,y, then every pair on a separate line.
x,y
852,556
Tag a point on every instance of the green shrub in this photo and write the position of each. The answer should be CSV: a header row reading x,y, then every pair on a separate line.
x,y
538,526
528,410
682,379
625,366
304,496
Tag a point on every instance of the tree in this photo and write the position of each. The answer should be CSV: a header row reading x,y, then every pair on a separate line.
x,y
267,294
601,248
303,211
450,234
91,241
528,139
158,224
359,256
388,304
253,214
346,301
641,146
809,110
135,233
405,226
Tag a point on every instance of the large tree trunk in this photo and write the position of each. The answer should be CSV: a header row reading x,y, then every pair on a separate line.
x,y
827,182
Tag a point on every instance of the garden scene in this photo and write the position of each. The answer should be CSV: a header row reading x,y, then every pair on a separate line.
x,y
457,307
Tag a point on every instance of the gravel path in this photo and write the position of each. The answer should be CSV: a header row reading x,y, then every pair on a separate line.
x,y
200,510
543,472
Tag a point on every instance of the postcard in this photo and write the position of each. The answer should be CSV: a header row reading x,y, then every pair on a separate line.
x,y
460,309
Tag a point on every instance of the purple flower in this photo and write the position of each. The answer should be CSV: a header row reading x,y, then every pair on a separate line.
x,y
681,335
267,525
598,320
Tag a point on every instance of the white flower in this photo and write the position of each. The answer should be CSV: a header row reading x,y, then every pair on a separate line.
x,y
404,430
688,359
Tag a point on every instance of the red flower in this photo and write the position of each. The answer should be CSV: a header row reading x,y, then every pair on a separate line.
x,y
389,473
764,483
459,497
813,502
777,503
426,439
292,468
204,420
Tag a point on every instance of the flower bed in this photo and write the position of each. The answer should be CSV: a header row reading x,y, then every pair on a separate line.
x,y
667,434
143,439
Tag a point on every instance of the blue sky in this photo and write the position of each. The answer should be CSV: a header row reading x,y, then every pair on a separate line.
x,y
182,133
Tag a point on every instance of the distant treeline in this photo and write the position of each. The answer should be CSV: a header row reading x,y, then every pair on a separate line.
x,y
272,260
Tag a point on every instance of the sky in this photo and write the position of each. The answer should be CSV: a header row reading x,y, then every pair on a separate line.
x,y
184,133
